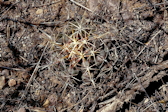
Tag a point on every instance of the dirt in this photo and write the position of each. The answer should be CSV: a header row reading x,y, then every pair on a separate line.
x,y
83,55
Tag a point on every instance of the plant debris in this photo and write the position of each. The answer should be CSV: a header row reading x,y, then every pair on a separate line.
x,y
83,56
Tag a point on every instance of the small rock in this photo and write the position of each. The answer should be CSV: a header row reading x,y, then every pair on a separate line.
x,y
2,82
39,11
5,72
12,82
22,109
46,103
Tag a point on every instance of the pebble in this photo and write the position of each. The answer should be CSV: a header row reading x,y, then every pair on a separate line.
x,y
22,109
12,82
39,11
5,72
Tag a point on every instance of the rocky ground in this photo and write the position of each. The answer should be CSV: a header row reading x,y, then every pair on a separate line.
x,y
83,55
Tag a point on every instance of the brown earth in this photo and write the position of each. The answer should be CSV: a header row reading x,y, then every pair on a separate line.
x,y
83,55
